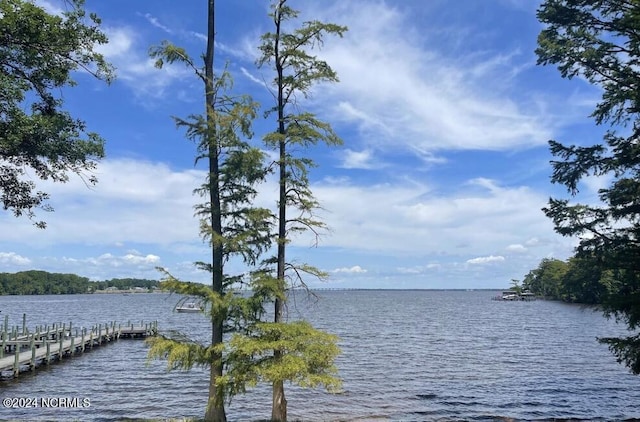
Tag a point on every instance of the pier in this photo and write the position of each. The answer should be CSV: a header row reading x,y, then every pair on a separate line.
x,y
23,350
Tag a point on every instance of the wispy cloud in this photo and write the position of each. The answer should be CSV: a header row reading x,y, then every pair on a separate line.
x,y
155,22
403,90
135,68
486,259
356,269
358,159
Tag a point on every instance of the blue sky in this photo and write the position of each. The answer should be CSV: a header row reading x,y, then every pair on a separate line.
x,y
445,118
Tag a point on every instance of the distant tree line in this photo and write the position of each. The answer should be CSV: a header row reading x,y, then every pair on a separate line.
x,y
44,283
577,280
124,283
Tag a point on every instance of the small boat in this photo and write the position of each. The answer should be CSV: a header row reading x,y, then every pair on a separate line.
x,y
187,306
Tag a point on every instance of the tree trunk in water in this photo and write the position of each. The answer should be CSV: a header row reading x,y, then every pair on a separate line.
x,y
279,408
215,413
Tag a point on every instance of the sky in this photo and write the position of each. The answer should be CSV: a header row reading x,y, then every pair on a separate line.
x,y
445,118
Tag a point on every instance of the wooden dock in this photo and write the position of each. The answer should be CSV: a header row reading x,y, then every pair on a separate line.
x,y
22,350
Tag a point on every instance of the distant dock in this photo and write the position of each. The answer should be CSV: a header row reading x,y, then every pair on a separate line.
x,y
24,350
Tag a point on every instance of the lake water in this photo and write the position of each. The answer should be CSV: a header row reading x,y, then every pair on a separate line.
x,y
407,356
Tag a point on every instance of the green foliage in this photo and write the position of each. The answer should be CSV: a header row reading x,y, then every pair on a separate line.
x,y
38,53
182,354
546,280
626,350
578,280
42,283
35,282
307,355
598,41
587,282
124,284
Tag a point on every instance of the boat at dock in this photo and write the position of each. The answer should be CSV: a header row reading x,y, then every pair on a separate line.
x,y
512,295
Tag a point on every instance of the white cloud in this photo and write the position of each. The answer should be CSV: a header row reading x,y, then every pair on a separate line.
x,y
149,207
411,219
251,77
419,269
120,42
155,22
485,259
534,241
134,202
141,260
357,159
356,269
12,258
135,68
517,248
404,91
106,265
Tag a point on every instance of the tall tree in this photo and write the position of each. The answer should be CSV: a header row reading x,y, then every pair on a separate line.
x,y
288,53
38,54
599,40
229,222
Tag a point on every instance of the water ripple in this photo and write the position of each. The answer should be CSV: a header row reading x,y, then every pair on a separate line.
x,y
407,356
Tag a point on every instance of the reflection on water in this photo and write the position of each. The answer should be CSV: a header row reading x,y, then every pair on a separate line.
x,y
407,355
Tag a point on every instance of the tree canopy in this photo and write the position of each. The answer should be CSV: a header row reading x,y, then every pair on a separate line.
x,y
38,54
599,41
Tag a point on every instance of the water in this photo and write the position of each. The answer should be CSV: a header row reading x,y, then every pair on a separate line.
x,y
407,356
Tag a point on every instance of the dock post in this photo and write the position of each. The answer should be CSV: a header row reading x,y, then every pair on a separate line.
x,y
83,331
72,350
16,363
24,323
6,322
4,343
33,352
14,334
48,357
60,351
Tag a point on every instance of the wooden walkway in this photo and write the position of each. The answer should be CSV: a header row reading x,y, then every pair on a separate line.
x,y
22,351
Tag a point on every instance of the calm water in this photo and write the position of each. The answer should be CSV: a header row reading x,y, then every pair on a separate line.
x,y
407,356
